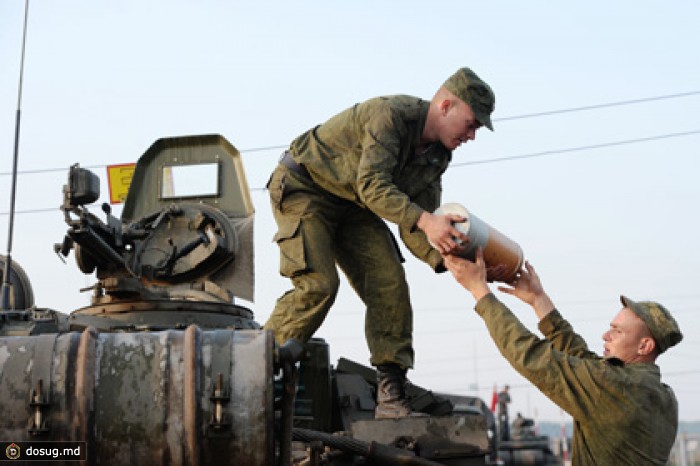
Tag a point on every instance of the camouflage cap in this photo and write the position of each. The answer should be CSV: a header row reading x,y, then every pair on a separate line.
x,y
466,85
662,325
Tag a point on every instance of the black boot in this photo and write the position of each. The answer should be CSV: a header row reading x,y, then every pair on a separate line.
x,y
391,393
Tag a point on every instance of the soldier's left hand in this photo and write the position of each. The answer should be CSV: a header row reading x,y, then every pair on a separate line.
x,y
471,275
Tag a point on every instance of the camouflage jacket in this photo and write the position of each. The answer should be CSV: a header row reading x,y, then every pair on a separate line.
x,y
367,154
623,414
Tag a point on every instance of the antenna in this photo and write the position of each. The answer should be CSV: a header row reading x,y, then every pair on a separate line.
x,y
5,292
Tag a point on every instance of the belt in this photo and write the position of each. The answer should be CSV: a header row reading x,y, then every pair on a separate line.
x,y
289,162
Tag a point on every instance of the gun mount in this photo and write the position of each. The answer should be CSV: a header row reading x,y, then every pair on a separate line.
x,y
181,252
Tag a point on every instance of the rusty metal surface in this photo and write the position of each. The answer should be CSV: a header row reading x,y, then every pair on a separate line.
x,y
144,398
251,410
161,314
189,417
431,437
83,415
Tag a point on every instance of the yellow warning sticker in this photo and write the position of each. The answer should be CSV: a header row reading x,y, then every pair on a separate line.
x,y
119,179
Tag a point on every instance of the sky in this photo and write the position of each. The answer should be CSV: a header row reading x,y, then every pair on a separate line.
x,y
593,167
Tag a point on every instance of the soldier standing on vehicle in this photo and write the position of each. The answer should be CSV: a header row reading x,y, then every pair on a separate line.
x,y
623,413
378,160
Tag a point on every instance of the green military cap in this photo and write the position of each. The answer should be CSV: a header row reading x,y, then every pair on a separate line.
x,y
466,85
662,325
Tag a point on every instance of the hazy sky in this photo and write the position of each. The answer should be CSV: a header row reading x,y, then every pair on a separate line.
x,y
603,201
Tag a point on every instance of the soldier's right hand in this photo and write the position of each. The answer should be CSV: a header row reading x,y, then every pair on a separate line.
x,y
442,233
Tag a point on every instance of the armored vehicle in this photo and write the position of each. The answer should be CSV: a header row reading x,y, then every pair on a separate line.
x,y
523,445
166,367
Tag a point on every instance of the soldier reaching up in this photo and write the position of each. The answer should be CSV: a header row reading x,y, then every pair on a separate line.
x,y
623,413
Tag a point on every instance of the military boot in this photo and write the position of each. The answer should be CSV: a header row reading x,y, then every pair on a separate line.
x,y
391,393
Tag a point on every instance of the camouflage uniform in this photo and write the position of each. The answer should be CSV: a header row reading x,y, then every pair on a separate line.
x,y
362,167
623,414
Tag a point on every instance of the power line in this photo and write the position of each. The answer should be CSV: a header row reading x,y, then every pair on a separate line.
x,y
33,211
502,119
595,107
577,149
49,170
472,162
461,164
261,149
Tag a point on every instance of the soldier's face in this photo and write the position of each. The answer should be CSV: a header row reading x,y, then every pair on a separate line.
x,y
458,125
623,339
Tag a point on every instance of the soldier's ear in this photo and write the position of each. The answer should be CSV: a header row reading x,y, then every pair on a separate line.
x,y
444,106
647,345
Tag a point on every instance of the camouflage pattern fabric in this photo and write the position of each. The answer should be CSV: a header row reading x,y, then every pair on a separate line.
x,y
366,155
659,321
466,85
623,414
316,231
363,168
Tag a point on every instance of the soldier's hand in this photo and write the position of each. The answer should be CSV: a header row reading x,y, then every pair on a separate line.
x,y
442,233
525,286
471,275
528,288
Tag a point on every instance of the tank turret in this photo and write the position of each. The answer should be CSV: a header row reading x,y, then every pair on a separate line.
x,y
183,249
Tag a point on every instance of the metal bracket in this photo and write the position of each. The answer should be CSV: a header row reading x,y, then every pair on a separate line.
x,y
40,388
39,404
220,421
220,395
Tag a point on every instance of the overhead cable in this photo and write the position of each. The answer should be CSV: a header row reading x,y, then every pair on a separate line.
x,y
498,159
598,106
508,118
576,149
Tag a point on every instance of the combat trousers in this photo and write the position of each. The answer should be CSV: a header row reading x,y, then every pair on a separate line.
x,y
316,231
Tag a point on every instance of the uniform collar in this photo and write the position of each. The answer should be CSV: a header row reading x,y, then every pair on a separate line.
x,y
639,366
422,117
615,362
